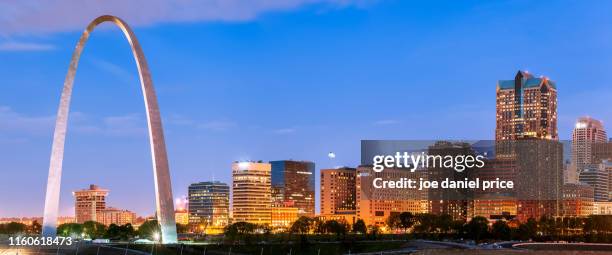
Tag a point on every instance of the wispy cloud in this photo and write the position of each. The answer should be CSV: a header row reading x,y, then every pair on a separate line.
x,y
115,70
218,125
25,46
12,121
386,122
31,16
285,131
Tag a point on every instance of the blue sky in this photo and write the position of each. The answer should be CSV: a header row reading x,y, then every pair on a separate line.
x,y
271,80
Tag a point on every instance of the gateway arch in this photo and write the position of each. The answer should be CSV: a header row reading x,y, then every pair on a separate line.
x,y
161,173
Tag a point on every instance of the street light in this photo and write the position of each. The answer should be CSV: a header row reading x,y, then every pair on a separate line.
x,y
156,237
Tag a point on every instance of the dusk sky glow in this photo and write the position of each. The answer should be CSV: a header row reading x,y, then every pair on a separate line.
x,y
298,80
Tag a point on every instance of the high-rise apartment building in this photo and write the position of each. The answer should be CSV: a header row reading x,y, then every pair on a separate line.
x,y
588,131
526,108
338,191
293,184
209,204
89,202
251,192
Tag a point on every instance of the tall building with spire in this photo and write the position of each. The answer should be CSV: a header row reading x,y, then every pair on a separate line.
x,y
526,108
587,132
526,133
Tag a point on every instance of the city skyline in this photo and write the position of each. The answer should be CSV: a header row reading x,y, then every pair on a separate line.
x,y
26,135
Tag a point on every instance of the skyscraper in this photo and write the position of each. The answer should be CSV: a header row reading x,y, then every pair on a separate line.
x,y
588,131
526,108
251,192
88,203
209,204
526,132
293,185
338,190
598,177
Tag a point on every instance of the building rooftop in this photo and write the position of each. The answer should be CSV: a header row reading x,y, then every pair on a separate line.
x,y
528,81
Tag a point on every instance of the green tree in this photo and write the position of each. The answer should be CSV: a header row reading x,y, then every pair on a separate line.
x,y
426,223
123,232
70,229
444,223
318,226
149,229
501,230
14,228
360,227
336,227
181,228
374,230
241,230
35,228
458,227
478,228
527,230
406,220
94,229
301,226
393,221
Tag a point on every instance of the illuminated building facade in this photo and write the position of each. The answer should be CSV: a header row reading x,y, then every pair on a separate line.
x,y
283,217
602,208
539,178
455,202
598,177
338,190
375,205
251,192
601,151
526,108
208,204
89,202
496,203
115,216
577,200
588,131
181,217
293,185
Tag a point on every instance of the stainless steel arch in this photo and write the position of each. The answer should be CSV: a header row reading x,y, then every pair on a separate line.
x,y
163,187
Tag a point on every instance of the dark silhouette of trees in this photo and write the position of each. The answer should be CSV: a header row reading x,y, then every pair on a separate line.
x,y
477,228
148,229
527,230
360,227
501,231
406,220
301,226
393,221
13,228
94,229
123,232
338,227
